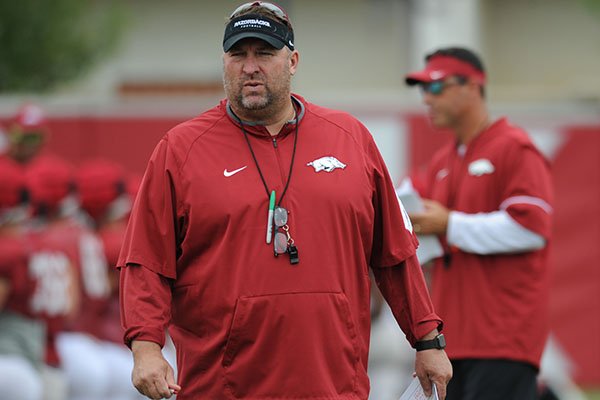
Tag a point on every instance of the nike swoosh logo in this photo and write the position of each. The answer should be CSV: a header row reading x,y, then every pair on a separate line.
x,y
227,174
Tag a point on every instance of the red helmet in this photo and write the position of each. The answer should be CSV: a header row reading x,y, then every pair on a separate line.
x,y
99,183
49,181
12,182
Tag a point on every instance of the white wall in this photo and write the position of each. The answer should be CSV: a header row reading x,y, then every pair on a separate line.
x,y
354,53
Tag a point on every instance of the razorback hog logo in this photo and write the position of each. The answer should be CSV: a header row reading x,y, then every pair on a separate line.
x,y
481,167
326,164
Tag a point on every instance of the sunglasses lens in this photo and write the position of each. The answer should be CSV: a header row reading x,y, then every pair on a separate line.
x,y
435,87
280,243
280,217
271,7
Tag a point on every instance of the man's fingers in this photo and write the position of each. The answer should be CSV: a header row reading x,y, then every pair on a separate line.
x,y
425,384
174,388
441,389
171,379
163,390
149,391
156,388
152,391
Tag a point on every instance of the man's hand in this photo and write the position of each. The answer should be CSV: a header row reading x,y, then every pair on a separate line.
x,y
433,366
152,375
432,221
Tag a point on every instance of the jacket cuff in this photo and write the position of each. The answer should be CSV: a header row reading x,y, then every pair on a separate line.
x,y
423,328
150,335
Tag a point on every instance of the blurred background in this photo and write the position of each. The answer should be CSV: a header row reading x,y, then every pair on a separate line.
x,y
113,76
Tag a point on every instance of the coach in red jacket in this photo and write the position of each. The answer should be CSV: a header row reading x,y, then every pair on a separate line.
x,y
490,192
252,237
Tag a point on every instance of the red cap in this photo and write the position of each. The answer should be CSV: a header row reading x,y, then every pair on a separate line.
x,y
12,182
49,180
441,67
99,183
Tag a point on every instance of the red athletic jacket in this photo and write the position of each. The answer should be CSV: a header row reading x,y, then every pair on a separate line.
x,y
247,324
494,306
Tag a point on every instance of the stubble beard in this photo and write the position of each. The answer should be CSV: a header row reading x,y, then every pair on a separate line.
x,y
254,104
259,108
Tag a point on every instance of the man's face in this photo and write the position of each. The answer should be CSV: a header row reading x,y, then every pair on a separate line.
x,y
447,101
256,76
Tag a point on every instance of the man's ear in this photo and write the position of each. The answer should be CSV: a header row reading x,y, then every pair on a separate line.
x,y
293,60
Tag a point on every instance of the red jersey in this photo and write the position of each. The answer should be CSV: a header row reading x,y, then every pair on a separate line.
x,y
494,306
92,270
247,324
14,258
52,268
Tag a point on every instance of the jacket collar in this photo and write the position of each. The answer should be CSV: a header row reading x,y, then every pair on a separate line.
x,y
258,128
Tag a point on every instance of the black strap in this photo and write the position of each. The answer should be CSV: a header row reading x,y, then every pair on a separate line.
x,y
262,178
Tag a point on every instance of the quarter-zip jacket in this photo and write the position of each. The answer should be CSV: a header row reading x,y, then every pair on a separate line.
x,y
247,324
494,306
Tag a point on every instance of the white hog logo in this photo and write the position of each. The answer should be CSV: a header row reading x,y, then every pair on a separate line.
x,y
481,167
327,164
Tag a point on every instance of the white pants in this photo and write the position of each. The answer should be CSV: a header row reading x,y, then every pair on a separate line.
x,y
55,384
391,359
19,380
556,371
96,370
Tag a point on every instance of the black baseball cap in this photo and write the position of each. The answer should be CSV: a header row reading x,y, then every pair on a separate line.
x,y
257,26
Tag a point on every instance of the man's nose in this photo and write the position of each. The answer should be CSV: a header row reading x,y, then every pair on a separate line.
x,y
250,65
428,98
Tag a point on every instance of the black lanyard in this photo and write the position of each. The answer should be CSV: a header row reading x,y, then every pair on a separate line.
x,y
262,178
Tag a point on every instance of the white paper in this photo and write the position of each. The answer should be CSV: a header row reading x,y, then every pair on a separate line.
x,y
414,391
429,245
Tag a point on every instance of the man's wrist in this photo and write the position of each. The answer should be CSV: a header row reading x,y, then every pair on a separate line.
x,y
144,346
430,335
437,342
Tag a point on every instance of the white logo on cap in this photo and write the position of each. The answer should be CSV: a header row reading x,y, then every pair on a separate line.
x,y
245,22
436,74
291,44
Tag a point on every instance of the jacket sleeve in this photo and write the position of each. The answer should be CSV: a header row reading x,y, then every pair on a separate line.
x,y
404,289
148,257
527,194
145,300
393,237
152,235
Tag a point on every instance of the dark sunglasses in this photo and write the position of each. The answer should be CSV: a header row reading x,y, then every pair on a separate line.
x,y
437,87
263,4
